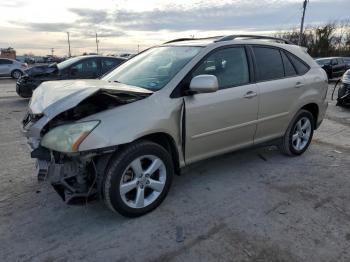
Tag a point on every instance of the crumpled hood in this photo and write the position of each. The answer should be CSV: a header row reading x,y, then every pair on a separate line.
x,y
54,97
41,70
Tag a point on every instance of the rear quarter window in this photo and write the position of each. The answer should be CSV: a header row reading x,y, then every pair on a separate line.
x,y
301,67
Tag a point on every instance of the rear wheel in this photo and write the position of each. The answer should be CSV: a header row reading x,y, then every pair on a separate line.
x,y
16,74
138,179
299,134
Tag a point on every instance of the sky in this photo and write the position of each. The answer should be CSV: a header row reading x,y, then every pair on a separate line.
x,y
36,26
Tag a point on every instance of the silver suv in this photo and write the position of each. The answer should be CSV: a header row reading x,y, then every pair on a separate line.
x,y
123,137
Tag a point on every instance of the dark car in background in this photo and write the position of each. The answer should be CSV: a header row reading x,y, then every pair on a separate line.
x,y
347,61
81,67
334,66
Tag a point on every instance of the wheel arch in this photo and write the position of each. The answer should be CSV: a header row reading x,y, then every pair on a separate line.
x,y
14,70
168,143
314,110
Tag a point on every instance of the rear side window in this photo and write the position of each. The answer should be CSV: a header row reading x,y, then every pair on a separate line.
x,y
5,62
269,63
229,65
300,66
289,69
108,64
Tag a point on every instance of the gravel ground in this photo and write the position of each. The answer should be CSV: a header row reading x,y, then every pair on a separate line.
x,y
251,205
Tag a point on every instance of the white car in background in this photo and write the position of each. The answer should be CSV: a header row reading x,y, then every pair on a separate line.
x,y
13,68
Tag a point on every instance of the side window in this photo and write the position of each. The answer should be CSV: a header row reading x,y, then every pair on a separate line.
x,y
340,61
229,65
108,64
87,66
334,62
5,62
298,64
289,69
269,63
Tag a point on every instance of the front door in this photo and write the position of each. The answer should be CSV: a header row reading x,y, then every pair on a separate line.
x,y
226,119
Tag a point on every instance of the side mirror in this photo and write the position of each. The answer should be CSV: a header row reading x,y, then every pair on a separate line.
x,y
204,84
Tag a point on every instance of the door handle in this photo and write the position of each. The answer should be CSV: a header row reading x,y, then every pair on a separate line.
x,y
250,94
299,84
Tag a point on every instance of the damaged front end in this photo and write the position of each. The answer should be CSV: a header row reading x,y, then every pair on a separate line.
x,y
75,177
55,128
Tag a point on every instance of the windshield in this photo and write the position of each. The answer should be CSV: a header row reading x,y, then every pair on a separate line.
x,y
67,62
323,61
154,68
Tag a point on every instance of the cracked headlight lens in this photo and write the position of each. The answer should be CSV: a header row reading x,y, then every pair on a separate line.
x,y
67,138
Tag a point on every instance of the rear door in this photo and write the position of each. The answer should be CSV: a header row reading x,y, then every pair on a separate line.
x,y
5,66
336,67
280,85
342,66
226,119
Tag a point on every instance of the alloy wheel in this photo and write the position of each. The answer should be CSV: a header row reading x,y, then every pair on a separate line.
x,y
143,181
301,134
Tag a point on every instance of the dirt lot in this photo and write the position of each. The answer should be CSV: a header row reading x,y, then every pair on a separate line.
x,y
252,205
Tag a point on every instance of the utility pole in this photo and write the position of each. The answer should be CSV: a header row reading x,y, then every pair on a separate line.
x,y
97,41
52,50
69,53
138,48
302,21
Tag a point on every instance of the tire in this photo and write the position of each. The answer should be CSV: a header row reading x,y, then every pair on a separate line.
x,y
289,145
124,170
16,74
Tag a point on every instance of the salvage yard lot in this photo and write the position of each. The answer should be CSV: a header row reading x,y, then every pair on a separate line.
x,y
251,205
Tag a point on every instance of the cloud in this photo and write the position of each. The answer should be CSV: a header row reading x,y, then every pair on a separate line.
x,y
258,14
47,27
12,3
90,16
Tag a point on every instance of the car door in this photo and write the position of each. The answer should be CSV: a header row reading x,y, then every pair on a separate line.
x,y
85,69
5,66
336,67
226,119
342,66
280,85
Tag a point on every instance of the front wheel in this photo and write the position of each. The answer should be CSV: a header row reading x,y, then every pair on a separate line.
x,y
16,74
299,134
138,179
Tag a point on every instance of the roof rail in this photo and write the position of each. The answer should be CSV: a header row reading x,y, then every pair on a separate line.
x,y
189,39
232,37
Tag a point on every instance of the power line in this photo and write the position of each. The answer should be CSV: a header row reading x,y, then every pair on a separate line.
x,y
69,53
97,41
302,21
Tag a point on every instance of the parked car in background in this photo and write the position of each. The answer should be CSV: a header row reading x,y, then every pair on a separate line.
x,y
334,66
81,67
124,136
13,68
347,61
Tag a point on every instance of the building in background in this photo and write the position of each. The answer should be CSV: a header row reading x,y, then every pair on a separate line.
x,y
8,53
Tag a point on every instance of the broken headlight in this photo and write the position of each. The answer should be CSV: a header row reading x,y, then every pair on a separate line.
x,y
67,138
